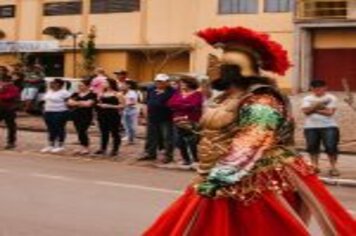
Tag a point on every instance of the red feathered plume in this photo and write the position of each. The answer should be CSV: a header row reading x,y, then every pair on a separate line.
x,y
274,58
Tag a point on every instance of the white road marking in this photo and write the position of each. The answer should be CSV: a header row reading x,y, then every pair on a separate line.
x,y
139,187
106,183
4,171
97,182
54,177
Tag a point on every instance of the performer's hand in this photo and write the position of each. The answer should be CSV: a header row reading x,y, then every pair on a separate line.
x,y
226,192
207,189
198,179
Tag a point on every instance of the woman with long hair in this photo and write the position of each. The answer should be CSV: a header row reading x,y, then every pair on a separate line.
x,y
186,105
131,110
82,105
250,180
108,107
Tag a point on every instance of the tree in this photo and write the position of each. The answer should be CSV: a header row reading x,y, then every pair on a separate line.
x,y
88,52
59,33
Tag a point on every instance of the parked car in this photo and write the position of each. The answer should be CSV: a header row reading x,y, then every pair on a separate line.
x,y
71,85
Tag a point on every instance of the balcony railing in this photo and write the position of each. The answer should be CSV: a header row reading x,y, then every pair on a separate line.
x,y
325,10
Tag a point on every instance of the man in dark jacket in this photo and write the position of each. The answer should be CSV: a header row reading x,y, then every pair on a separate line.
x,y
9,99
159,117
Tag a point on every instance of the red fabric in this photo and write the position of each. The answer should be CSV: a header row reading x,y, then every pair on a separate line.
x,y
342,220
228,217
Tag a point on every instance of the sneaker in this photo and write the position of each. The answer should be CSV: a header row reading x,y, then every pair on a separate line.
x,y
77,152
57,150
84,152
125,138
184,163
146,158
47,149
167,160
114,155
100,152
10,146
334,172
185,166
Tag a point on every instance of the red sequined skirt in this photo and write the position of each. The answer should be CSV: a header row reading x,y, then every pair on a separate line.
x,y
276,210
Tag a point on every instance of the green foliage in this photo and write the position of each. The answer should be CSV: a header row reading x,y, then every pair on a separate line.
x,y
88,52
59,33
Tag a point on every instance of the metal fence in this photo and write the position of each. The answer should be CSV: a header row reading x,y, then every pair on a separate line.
x,y
325,9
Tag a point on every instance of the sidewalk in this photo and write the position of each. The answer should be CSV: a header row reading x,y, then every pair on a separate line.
x,y
32,142
345,118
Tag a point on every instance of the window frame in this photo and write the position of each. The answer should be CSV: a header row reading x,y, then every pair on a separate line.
x,y
237,12
98,12
265,7
13,9
47,4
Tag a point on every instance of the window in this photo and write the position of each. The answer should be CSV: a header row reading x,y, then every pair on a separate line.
x,y
238,6
278,5
114,6
330,9
62,8
7,11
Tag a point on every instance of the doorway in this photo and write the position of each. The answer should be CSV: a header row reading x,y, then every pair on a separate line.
x,y
335,65
53,63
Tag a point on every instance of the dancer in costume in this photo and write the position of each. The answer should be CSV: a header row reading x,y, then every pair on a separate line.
x,y
251,182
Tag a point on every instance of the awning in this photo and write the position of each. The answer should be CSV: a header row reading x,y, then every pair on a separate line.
x,y
139,47
28,46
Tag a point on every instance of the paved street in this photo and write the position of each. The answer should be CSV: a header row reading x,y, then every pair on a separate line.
x,y
53,195
31,142
60,196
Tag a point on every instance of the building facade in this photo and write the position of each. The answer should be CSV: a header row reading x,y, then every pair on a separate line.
x,y
150,36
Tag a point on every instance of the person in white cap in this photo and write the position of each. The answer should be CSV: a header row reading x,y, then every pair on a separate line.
x,y
159,120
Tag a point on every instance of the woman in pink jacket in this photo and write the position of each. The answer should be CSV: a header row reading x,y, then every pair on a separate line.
x,y
186,105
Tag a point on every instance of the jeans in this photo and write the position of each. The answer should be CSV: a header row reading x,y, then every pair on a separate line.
x,y
9,117
160,134
82,124
187,143
329,137
110,124
129,121
56,125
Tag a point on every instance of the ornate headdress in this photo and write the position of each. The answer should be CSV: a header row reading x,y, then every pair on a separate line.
x,y
270,54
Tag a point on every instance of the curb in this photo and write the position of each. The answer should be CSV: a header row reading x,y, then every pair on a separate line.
x,y
338,182
40,130
350,183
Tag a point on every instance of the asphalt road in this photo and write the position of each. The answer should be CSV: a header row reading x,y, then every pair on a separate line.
x,y
51,195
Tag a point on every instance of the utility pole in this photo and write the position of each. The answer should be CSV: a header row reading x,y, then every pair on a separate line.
x,y
75,42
